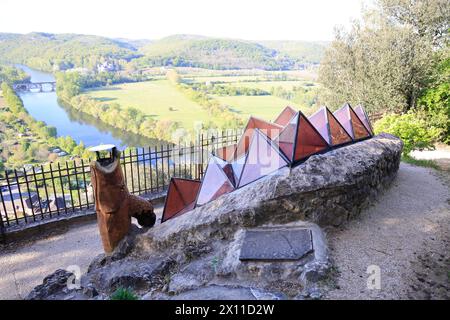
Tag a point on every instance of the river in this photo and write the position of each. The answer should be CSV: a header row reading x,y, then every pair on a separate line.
x,y
44,106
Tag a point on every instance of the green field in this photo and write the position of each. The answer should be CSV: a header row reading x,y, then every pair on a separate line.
x,y
266,107
161,100
154,98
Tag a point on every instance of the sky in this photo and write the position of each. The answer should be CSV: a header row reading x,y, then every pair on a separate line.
x,y
154,19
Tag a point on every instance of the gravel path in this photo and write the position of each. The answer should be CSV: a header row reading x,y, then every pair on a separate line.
x,y
441,156
406,233
23,267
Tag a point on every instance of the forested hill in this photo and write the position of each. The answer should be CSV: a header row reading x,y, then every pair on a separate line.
x,y
215,53
218,53
301,51
47,51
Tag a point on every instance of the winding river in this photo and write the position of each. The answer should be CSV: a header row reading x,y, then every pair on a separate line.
x,y
44,106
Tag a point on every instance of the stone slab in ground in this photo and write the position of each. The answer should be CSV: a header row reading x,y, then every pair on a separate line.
x,y
276,244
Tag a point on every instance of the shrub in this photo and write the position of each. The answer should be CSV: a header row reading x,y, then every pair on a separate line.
x,y
414,131
434,104
124,294
435,108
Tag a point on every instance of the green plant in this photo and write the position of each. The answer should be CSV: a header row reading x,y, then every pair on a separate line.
x,y
414,131
434,104
215,263
124,294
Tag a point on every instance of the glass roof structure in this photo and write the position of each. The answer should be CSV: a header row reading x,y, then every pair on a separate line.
x,y
329,127
351,123
180,197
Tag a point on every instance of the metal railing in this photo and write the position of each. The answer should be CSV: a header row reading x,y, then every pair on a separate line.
x,y
55,189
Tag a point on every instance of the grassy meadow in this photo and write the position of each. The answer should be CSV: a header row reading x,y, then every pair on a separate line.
x,y
160,99
155,98
265,107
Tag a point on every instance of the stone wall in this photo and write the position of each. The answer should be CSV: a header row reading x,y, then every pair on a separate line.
x,y
200,249
327,189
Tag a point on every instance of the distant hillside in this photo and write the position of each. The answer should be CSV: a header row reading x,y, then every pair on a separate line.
x,y
302,51
47,51
44,50
198,51
133,44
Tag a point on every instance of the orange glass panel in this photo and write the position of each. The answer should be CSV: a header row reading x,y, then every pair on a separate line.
x,y
285,116
271,130
343,116
362,115
226,153
262,159
180,197
337,132
359,129
189,207
309,140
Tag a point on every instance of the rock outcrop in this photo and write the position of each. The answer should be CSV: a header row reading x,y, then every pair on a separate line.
x,y
199,251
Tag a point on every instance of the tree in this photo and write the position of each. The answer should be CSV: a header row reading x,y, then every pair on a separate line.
x,y
426,18
434,104
384,62
79,149
51,131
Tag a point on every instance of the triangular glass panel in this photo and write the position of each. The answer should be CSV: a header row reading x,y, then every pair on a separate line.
x,y
263,158
269,129
286,139
362,115
343,116
329,128
338,134
226,153
285,116
214,184
180,197
320,121
237,166
351,123
227,169
308,140
359,129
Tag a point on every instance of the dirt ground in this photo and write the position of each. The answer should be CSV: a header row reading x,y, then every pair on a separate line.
x,y
24,266
441,155
406,233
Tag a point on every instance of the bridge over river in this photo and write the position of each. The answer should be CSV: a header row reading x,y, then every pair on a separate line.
x,y
44,106
47,86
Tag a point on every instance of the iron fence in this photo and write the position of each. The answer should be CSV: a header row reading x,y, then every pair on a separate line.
x,y
46,191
